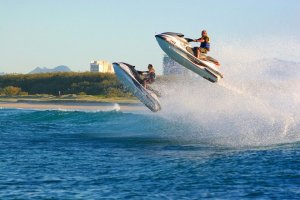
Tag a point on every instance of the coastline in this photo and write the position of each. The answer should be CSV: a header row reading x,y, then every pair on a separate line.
x,y
67,98
70,102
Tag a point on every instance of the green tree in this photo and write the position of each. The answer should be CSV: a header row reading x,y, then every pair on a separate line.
x,y
67,83
11,90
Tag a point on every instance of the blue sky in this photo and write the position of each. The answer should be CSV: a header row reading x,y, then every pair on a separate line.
x,y
48,33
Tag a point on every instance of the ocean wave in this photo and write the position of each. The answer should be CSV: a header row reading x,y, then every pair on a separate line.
x,y
114,107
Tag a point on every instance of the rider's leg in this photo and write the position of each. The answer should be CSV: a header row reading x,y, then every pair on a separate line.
x,y
213,60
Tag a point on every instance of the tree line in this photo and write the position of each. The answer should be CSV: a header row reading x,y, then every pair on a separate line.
x,y
63,83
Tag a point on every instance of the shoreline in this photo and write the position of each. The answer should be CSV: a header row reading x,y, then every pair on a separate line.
x,y
71,104
67,98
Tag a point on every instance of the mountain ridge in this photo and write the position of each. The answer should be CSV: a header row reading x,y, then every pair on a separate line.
x,y
60,68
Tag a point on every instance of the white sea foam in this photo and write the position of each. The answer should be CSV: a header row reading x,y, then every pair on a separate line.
x,y
115,107
87,109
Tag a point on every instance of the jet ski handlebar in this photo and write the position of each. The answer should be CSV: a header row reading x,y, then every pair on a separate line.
x,y
189,40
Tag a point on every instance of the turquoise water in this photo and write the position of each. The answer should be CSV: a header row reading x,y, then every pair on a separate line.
x,y
117,155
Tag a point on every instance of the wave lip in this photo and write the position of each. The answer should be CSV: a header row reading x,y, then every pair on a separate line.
x,y
99,107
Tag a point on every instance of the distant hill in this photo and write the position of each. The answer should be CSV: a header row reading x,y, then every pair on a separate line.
x,y
61,68
2,73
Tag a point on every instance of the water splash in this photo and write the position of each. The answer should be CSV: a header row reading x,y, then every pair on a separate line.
x,y
251,109
116,107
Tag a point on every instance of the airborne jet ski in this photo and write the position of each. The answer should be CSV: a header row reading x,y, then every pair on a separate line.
x,y
130,78
178,48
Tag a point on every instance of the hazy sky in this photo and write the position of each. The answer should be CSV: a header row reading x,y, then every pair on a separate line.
x,y
48,33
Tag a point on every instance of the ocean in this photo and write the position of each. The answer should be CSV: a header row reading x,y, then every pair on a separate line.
x,y
234,140
94,155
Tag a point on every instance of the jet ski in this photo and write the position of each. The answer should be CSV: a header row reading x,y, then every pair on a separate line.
x,y
179,49
130,78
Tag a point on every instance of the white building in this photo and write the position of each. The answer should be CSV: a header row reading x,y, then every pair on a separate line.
x,y
94,66
101,66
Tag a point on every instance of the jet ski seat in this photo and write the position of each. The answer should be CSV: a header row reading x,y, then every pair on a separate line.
x,y
135,73
190,50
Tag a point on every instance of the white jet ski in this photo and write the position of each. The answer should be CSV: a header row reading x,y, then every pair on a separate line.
x,y
130,78
178,48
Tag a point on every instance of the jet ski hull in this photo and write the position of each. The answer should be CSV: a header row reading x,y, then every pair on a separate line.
x,y
126,77
176,49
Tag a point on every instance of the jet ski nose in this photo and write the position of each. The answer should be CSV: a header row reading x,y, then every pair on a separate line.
x,y
160,36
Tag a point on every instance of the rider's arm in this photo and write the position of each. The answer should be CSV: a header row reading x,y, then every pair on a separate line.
x,y
199,40
142,72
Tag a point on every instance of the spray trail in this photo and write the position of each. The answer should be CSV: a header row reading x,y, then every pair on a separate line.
x,y
252,110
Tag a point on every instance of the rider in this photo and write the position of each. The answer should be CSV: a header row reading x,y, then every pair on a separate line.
x,y
200,52
149,76
204,46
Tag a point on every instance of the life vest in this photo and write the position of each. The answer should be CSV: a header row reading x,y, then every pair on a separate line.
x,y
151,74
205,44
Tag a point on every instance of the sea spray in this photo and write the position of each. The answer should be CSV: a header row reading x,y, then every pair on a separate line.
x,y
252,109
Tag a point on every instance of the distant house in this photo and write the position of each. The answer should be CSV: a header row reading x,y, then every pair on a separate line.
x,y
170,67
101,66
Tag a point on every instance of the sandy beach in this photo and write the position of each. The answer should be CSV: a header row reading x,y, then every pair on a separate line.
x,y
73,106
70,102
